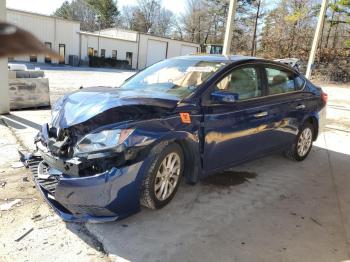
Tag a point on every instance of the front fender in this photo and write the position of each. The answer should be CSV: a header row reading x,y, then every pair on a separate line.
x,y
156,134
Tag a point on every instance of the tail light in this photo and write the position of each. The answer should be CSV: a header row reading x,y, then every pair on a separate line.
x,y
324,97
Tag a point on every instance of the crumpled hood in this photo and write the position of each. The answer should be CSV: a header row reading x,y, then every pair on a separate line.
x,y
80,106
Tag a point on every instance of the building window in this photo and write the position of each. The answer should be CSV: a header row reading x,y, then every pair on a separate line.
x,y
90,51
47,57
129,57
103,53
62,53
114,54
33,58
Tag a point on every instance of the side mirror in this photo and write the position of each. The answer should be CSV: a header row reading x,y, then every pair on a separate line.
x,y
222,97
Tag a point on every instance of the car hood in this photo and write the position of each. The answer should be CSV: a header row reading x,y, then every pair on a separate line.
x,y
98,102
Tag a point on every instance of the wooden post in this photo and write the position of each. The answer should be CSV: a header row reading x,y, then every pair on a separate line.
x,y
316,38
229,27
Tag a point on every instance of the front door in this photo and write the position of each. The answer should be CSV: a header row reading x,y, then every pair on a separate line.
x,y
47,57
129,58
235,132
62,53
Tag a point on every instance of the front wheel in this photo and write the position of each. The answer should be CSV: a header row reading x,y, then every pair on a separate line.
x,y
163,178
303,144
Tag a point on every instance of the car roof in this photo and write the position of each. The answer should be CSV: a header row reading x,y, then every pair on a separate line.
x,y
233,59
218,58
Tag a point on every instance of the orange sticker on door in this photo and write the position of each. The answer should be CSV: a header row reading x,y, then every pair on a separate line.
x,y
185,118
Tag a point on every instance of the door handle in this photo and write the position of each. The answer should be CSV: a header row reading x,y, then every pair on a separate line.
x,y
300,106
261,114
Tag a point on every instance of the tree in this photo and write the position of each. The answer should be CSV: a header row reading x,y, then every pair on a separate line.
x,y
127,20
288,29
107,12
163,23
205,20
147,13
65,11
148,17
256,22
78,10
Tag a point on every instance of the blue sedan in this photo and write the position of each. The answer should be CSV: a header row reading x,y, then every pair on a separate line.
x,y
107,151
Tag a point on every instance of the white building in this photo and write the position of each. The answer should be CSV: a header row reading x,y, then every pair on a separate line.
x,y
65,37
59,34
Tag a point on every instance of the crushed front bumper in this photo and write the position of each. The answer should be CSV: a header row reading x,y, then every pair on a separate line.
x,y
108,196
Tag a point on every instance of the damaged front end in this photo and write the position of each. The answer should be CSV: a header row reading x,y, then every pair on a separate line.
x,y
92,169
83,186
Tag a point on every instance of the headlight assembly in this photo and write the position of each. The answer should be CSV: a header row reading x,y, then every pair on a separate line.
x,y
103,140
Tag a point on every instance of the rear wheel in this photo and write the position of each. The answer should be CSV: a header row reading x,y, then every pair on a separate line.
x,y
163,178
303,143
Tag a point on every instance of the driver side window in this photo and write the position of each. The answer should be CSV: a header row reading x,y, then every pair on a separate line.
x,y
243,81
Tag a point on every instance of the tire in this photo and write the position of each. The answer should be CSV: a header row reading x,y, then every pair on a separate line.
x,y
297,152
159,177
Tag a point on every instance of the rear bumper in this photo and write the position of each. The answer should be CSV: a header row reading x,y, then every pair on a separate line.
x,y
105,197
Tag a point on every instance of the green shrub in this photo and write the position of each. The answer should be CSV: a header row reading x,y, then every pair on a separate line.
x,y
96,61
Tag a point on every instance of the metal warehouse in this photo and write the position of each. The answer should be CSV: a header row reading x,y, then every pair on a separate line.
x,y
64,37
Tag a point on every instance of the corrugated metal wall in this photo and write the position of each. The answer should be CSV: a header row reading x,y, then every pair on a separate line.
x,y
109,44
48,29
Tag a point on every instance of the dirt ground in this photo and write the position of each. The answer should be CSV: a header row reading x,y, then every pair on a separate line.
x,y
271,209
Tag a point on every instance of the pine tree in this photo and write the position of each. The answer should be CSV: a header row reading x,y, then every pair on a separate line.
x,y
107,12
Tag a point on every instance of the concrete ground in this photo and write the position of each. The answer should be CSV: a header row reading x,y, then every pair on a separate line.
x,y
271,209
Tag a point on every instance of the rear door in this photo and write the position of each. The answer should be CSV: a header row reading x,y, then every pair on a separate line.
x,y
286,101
239,131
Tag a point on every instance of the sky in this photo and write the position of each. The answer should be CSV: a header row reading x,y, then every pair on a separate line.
x,y
49,6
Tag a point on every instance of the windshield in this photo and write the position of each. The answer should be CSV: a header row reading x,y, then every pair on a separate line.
x,y
178,77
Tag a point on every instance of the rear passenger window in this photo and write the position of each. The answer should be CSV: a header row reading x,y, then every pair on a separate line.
x,y
243,81
280,81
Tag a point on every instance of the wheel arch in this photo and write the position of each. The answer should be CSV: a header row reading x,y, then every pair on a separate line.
x,y
189,144
313,120
191,161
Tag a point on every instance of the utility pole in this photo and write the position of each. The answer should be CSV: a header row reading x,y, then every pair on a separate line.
x,y
316,38
229,27
253,52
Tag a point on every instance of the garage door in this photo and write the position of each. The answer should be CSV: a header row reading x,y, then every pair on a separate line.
x,y
156,51
187,49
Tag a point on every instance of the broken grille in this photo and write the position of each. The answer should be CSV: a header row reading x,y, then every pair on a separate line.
x,y
48,184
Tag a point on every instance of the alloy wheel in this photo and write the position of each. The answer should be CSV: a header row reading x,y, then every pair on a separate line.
x,y
304,142
167,176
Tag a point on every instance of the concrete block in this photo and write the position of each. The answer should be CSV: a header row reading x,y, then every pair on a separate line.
x,y
36,74
29,93
22,74
12,74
